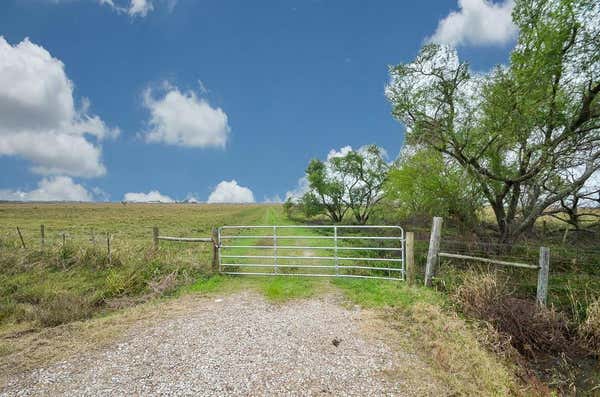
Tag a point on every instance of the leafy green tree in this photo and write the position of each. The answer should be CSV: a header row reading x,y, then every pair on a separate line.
x,y
424,183
288,207
352,182
363,173
528,134
326,192
311,205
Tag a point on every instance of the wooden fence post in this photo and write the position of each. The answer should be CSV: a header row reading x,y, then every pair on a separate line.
x,y
155,236
410,258
21,237
434,249
543,272
215,253
42,236
108,247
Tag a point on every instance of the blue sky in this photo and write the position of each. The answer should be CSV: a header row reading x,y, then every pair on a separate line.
x,y
184,97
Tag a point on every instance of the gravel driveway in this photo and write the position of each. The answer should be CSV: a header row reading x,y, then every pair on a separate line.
x,y
236,345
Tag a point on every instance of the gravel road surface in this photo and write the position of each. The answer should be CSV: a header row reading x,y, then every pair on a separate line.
x,y
236,345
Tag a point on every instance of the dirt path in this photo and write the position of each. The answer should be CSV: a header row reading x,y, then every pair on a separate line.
x,y
237,345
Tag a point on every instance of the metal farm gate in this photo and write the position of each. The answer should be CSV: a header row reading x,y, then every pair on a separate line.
x,y
338,251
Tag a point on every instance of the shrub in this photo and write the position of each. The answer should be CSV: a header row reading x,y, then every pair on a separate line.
x,y
95,258
62,308
531,328
590,328
124,282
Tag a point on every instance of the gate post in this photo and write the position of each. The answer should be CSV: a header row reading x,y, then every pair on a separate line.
x,y
155,237
434,249
215,251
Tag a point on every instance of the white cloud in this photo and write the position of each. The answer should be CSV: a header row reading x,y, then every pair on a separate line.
x,y
152,196
302,186
479,22
273,199
182,119
57,188
140,7
231,192
339,153
38,117
135,8
191,198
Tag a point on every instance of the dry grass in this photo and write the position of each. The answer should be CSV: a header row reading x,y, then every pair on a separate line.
x,y
21,351
453,349
590,328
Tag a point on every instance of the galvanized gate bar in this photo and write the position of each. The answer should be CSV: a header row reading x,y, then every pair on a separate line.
x,y
318,237
302,247
232,267
312,257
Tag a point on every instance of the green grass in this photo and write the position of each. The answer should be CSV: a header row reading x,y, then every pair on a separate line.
x,y
64,283
380,293
280,289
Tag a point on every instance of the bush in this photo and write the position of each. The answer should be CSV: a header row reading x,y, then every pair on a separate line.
x,y
124,283
62,308
532,329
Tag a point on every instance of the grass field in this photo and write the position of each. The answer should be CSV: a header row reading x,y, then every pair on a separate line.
x,y
74,278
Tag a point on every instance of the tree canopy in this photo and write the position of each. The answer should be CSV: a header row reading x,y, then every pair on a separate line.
x,y
351,181
527,134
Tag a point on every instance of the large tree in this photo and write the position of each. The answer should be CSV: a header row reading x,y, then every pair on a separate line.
x,y
363,173
351,180
528,134
326,192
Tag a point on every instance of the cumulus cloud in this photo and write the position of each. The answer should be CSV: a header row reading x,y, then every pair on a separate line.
x,y
339,153
183,119
273,199
57,188
478,23
39,120
302,186
152,196
231,192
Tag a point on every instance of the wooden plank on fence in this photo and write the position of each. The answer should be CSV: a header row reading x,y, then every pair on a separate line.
x,y
187,239
410,258
42,236
434,248
487,260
